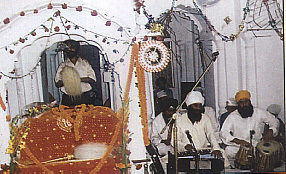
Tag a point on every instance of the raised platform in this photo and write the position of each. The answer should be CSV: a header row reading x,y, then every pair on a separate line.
x,y
281,168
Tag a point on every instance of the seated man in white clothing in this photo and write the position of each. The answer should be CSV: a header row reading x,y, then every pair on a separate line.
x,y
198,125
162,141
236,128
210,112
196,135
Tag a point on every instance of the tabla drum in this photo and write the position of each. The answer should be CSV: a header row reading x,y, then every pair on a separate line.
x,y
243,157
268,155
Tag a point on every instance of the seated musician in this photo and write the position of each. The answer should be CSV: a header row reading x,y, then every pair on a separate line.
x,y
275,109
195,130
236,129
162,141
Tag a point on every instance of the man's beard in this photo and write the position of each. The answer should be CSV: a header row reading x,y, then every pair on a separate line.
x,y
195,115
245,111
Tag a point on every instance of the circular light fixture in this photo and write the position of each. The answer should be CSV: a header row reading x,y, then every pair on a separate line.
x,y
153,56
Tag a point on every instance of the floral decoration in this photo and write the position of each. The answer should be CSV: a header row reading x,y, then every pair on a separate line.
x,y
6,21
17,140
35,110
143,103
64,6
2,104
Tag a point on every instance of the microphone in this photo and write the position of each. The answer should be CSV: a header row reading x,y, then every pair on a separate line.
x,y
214,55
175,116
252,132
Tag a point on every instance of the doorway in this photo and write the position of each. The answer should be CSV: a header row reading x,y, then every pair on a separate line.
x,y
51,59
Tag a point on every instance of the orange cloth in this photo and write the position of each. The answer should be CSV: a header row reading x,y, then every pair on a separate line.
x,y
2,104
242,94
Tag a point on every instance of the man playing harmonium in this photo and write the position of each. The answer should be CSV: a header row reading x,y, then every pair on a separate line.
x,y
195,132
244,127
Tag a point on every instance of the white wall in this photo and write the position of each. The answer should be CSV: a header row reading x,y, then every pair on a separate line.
x,y
249,62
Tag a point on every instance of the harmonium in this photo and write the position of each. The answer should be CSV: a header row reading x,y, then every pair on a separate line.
x,y
188,161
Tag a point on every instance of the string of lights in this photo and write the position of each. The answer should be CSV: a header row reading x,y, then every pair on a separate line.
x,y
66,25
210,26
265,15
15,76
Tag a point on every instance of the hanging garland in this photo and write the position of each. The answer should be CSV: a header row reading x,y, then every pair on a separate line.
x,y
2,104
123,115
65,6
143,103
124,112
271,21
241,25
210,26
67,25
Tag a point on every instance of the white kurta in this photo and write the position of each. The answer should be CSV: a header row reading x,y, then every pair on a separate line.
x,y
83,68
237,127
210,112
202,133
156,137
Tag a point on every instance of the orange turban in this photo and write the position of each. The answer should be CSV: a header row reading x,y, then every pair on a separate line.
x,y
242,94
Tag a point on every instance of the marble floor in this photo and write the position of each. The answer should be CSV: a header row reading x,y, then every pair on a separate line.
x,y
281,169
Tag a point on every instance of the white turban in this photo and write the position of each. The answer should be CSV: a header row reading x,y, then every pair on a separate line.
x,y
274,109
231,102
161,94
194,97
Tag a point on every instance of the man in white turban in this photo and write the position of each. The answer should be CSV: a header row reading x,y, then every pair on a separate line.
x,y
275,109
198,126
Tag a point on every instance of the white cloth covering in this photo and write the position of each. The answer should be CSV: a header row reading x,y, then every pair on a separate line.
x,y
237,127
156,137
84,69
194,97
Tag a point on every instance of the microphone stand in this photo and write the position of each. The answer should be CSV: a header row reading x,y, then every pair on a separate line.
x,y
176,145
252,168
214,55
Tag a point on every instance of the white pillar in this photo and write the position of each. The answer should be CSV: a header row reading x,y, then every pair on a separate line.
x,y
250,73
220,76
136,146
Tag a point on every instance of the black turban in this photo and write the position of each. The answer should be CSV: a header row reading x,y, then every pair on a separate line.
x,y
168,103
